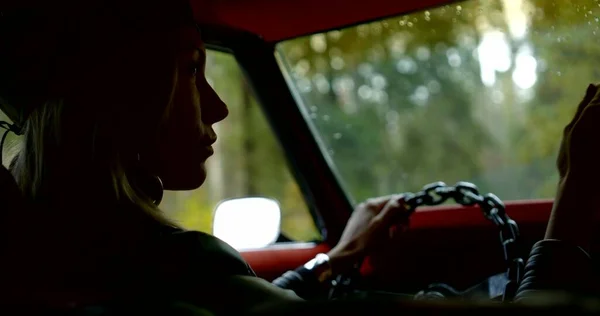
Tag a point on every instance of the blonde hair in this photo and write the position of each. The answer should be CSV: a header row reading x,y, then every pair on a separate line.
x,y
98,109
46,136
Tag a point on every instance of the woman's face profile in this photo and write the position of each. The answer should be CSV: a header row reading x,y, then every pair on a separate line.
x,y
185,141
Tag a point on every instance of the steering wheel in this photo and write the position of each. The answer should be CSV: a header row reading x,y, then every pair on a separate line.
x,y
501,286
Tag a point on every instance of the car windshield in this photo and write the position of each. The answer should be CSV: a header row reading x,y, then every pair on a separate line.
x,y
476,91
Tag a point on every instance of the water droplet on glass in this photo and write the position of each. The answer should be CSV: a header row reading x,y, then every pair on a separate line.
x,y
326,118
558,73
313,108
337,135
409,24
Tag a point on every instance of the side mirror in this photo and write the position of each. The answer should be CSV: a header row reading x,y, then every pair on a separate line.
x,y
247,223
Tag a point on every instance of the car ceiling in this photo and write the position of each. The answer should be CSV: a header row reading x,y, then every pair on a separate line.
x,y
277,20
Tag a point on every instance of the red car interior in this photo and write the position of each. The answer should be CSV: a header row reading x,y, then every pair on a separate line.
x,y
454,245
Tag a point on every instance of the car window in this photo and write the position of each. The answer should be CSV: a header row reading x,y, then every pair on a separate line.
x,y
248,162
476,91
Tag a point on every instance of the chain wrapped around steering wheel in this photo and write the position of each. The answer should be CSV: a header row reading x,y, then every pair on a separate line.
x,y
467,194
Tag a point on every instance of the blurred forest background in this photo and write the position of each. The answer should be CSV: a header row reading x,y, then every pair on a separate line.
x,y
476,91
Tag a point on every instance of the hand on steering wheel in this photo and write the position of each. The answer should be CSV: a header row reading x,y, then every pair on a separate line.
x,y
373,223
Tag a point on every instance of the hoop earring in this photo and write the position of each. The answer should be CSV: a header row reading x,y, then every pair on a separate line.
x,y
149,184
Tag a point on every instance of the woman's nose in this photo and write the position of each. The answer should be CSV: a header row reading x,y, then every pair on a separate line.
x,y
214,109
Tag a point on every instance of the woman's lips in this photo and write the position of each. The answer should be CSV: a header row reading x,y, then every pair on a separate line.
x,y
207,151
206,147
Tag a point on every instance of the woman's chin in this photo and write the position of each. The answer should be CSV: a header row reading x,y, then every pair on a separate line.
x,y
185,180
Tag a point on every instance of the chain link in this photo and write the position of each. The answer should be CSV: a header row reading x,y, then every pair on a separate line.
x,y
467,194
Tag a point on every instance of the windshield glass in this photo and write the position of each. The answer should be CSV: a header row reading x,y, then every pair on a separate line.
x,y
476,91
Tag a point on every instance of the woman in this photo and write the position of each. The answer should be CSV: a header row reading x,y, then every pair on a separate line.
x,y
114,107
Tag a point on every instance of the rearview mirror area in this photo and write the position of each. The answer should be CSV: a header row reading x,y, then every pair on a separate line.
x,y
247,223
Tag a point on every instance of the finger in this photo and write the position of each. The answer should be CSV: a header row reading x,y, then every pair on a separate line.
x,y
381,201
590,117
377,204
596,94
590,94
393,211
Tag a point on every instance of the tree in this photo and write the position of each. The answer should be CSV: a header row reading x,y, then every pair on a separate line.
x,y
375,89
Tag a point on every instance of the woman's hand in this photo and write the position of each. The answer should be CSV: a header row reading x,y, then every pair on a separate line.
x,y
372,224
562,161
575,206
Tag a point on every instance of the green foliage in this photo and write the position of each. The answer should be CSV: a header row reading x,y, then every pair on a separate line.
x,y
408,100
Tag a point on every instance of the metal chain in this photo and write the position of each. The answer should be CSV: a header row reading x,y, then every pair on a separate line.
x,y
466,194
493,209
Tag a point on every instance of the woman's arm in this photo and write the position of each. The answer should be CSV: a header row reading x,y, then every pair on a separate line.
x,y
309,281
561,261
370,225
559,267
